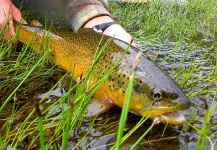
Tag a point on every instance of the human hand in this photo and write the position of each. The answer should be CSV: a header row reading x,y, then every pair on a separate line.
x,y
114,30
8,14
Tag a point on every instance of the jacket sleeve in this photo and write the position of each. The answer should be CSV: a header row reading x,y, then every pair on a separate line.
x,y
79,12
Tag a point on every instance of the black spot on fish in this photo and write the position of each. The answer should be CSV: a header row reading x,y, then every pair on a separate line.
x,y
137,88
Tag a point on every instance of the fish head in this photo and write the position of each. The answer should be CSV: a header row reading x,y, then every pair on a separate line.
x,y
166,104
154,93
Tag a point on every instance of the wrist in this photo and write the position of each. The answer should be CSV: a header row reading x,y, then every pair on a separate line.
x,y
114,30
98,20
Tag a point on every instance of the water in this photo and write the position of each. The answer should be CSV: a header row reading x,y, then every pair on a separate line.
x,y
189,64
102,136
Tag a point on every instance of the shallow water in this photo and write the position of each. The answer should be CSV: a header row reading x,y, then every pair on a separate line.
x,y
102,137
181,57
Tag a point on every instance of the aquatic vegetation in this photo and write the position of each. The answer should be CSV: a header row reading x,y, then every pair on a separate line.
x,y
181,37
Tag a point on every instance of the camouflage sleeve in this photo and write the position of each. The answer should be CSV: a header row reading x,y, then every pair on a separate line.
x,y
79,12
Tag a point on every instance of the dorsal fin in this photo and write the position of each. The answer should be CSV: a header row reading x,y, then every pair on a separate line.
x,y
36,23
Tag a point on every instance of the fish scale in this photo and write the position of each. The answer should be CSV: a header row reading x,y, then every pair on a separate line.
x,y
154,94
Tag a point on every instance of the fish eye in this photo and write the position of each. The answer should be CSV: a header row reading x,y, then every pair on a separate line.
x,y
157,95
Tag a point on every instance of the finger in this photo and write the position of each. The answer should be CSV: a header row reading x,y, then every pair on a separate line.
x,y
9,33
11,28
3,19
12,32
6,35
18,17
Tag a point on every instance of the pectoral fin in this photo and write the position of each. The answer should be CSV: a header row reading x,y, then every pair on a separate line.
x,y
36,23
97,107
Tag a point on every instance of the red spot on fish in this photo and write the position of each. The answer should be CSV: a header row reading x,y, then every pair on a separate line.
x,y
55,49
60,55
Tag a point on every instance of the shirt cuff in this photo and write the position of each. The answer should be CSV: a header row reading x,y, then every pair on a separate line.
x,y
78,14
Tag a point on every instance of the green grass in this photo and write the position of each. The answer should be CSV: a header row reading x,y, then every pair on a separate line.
x,y
156,25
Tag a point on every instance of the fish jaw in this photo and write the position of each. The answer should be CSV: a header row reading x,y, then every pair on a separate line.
x,y
165,115
175,117
168,108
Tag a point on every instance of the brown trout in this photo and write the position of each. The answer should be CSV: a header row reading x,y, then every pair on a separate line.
x,y
155,95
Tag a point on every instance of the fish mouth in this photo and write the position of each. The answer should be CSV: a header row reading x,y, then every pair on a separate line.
x,y
175,117
166,115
